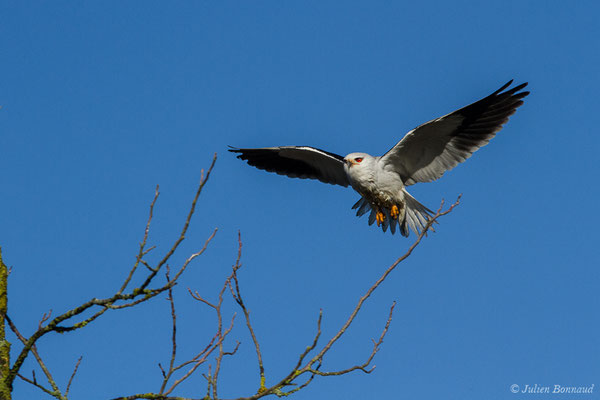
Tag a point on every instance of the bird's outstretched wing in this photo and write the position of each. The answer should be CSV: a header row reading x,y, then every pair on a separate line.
x,y
426,152
297,162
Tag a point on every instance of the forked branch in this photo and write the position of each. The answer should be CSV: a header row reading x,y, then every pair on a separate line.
x,y
123,298
313,366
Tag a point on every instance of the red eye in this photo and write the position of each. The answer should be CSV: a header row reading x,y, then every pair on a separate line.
x,y
359,159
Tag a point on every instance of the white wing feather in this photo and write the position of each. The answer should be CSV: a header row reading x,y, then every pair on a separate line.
x,y
428,151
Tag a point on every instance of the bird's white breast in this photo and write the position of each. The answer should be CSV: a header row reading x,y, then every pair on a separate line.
x,y
375,183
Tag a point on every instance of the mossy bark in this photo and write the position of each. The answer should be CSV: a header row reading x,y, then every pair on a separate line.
x,y
4,344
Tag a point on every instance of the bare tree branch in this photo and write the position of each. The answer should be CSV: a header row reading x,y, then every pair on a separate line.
x,y
34,383
220,354
55,391
238,298
318,358
154,396
203,180
142,252
72,376
215,343
173,337
120,299
339,334
364,365
202,360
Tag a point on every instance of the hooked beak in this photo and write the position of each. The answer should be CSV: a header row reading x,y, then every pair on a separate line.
x,y
349,162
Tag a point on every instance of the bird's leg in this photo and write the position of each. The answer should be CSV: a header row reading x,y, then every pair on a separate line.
x,y
394,212
380,217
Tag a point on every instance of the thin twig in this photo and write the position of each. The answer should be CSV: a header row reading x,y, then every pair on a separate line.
x,y
73,376
142,252
203,359
219,358
238,298
167,376
203,180
363,366
34,383
314,343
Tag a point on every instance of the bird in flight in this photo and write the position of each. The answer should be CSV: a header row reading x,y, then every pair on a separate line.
x,y
423,155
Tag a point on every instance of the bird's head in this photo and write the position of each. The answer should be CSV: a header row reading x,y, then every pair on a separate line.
x,y
359,166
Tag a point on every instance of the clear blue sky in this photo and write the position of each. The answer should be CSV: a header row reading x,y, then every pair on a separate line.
x,y
104,100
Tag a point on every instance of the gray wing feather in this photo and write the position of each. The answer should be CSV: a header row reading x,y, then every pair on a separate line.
x,y
297,162
428,151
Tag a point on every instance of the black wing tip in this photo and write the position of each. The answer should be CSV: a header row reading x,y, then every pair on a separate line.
x,y
521,86
507,84
513,90
238,151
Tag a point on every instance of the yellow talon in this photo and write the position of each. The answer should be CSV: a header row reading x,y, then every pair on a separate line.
x,y
380,217
394,212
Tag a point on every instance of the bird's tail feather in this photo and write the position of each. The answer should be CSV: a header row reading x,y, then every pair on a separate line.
x,y
363,206
415,218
